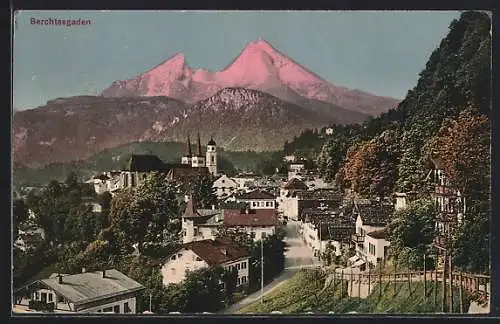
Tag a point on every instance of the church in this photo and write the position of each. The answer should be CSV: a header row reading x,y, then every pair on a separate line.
x,y
199,160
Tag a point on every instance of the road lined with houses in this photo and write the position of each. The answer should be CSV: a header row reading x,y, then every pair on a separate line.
x,y
297,256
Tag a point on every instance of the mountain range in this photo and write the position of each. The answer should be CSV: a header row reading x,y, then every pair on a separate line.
x,y
257,102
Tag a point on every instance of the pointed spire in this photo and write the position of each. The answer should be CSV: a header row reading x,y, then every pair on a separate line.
x,y
198,147
190,210
187,148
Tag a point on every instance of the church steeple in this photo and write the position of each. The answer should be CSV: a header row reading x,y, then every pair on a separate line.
x,y
198,147
187,158
187,148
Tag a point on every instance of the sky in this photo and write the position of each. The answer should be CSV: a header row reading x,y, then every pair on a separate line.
x,y
380,52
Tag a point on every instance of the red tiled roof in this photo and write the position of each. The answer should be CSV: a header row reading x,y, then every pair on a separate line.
x,y
295,183
257,194
190,210
183,172
255,217
218,251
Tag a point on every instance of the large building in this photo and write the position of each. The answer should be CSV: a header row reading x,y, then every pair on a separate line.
x,y
108,291
199,160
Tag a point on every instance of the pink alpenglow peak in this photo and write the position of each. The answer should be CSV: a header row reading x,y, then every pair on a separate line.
x,y
258,67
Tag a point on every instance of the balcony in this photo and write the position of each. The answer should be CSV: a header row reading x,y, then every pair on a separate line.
x,y
358,238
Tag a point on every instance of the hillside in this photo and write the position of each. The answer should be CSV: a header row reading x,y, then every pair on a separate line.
x,y
304,293
115,158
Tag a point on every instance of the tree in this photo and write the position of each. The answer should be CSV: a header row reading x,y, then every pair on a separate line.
x,y
411,231
19,214
202,191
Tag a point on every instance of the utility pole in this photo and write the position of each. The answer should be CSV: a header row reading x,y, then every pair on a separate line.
x,y
261,270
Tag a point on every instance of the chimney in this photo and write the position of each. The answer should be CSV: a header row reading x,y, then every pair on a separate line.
x,y
59,277
247,211
104,273
84,270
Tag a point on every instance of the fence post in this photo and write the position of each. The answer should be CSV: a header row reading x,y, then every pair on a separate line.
x,y
394,286
425,281
351,282
369,280
359,285
451,282
380,286
409,280
341,283
443,300
461,295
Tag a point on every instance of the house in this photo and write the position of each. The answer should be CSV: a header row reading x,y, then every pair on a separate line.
x,y
225,186
295,169
258,199
289,158
206,253
329,131
320,227
369,218
245,182
258,222
450,203
288,201
200,224
402,199
377,247
108,291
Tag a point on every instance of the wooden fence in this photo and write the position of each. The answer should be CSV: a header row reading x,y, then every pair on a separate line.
x,y
475,284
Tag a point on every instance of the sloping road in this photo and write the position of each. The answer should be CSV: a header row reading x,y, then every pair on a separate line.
x,y
297,256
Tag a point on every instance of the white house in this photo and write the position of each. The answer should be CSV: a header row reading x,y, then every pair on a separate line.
x,y
258,199
244,182
108,291
225,186
288,200
199,224
295,170
370,218
376,246
259,223
402,199
289,158
202,254
328,131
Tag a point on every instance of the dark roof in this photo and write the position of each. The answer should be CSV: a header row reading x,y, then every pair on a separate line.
x,y
218,251
190,210
375,214
250,217
257,194
295,183
380,234
145,163
86,287
102,177
211,142
184,172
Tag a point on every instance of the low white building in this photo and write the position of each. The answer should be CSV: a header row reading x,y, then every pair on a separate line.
x,y
259,223
108,291
370,218
288,200
377,247
200,224
328,131
258,199
202,254
225,186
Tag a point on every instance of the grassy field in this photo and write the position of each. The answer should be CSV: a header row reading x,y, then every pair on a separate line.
x,y
304,293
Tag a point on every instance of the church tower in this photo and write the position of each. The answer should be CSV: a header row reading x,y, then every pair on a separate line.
x,y
198,159
186,159
212,157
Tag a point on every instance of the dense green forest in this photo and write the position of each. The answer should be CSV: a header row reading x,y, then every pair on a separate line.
x,y
445,115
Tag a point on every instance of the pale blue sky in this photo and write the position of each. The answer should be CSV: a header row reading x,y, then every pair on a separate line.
x,y
379,52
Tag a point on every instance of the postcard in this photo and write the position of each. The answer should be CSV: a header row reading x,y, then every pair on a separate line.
x,y
251,162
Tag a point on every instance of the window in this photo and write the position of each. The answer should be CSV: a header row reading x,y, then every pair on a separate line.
x,y
198,259
267,203
238,266
126,309
116,309
60,299
99,311
263,234
243,279
173,257
238,281
179,255
107,309
254,204
243,265
36,296
50,297
212,159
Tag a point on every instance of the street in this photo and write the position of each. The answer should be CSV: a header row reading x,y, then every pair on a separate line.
x,y
297,256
